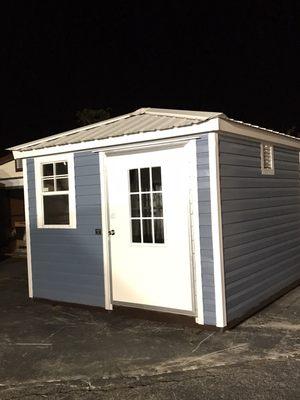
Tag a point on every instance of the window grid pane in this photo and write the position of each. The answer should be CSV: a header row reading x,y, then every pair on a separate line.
x,y
61,168
147,231
48,169
158,231
48,185
136,230
62,184
134,180
146,205
135,205
56,210
145,179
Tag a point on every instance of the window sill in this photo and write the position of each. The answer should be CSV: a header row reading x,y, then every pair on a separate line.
x,y
57,227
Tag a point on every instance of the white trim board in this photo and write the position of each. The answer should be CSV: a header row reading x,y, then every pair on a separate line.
x,y
27,225
105,229
195,235
216,224
192,205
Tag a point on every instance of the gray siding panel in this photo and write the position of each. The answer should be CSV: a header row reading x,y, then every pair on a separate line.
x,y
206,252
67,264
261,223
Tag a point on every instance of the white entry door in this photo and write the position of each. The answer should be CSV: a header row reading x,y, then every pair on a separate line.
x,y
149,230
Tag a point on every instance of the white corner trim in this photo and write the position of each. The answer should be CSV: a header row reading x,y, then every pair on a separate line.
x,y
194,212
69,157
27,225
216,223
105,229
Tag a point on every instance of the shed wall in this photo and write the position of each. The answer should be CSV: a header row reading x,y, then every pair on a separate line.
x,y
261,223
67,264
205,231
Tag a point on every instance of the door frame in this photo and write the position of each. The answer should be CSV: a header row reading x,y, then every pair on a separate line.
x,y
189,146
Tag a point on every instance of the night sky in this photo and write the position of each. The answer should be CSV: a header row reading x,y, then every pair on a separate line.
x,y
241,58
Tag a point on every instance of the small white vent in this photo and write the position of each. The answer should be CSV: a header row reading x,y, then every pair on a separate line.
x,y
267,159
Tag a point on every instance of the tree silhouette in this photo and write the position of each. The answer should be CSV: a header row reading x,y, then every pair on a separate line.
x,y
293,131
89,116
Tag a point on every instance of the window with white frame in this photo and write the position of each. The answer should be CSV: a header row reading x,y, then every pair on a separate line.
x,y
55,192
146,203
267,159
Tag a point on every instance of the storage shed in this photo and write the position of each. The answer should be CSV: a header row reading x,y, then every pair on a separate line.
x,y
184,212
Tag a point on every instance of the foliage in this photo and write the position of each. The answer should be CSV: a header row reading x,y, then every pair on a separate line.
x,y
89,116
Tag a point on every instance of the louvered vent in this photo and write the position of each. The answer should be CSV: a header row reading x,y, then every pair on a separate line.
x,y
267,163
267,156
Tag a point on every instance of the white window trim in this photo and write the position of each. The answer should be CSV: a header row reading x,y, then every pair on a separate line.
x,y
69,158
267,171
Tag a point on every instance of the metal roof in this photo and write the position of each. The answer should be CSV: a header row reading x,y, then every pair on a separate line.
x,y
141,120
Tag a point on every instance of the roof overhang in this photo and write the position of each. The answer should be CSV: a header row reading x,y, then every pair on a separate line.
x,y
196,129
228,125
222,125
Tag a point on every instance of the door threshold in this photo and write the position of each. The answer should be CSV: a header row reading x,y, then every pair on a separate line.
x,y
145,307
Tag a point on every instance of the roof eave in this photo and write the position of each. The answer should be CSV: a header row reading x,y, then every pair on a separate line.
x,y
76,130
206,126
228,125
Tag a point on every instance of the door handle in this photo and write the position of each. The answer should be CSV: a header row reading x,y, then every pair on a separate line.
x,y
111,233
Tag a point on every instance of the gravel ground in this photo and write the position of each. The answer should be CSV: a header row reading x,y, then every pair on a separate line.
x,y
63,352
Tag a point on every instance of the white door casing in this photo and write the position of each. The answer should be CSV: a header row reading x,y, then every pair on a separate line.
x,y
151,275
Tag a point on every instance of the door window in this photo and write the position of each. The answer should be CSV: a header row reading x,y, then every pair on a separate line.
x,y
146,205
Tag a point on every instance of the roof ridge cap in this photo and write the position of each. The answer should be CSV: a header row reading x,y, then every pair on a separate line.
x,y
140,111
183,115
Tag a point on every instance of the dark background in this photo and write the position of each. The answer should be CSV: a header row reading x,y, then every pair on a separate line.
x,y
241,58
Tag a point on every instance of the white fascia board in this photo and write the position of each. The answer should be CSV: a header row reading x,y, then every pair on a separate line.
x,y
207,126
256,133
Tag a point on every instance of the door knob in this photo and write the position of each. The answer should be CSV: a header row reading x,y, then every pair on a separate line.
x,y
112,232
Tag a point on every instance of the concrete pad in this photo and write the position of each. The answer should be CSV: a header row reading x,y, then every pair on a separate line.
x,y
57,350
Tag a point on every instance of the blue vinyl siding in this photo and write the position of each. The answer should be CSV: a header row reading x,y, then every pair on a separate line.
x,y
206,250
261,223
67,264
